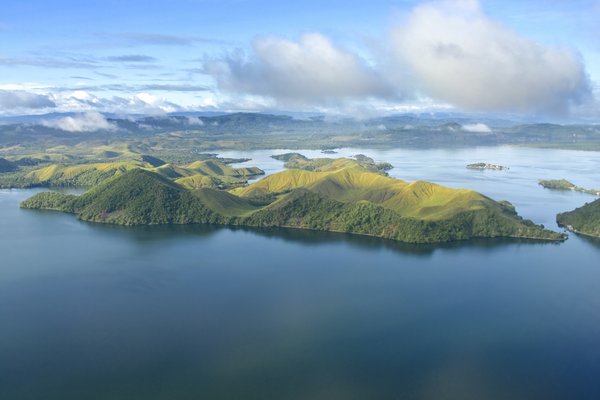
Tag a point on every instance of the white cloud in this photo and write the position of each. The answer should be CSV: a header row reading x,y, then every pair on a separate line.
x,y
459,55
20,99
195,121
90,121
476,128
140,103
311,70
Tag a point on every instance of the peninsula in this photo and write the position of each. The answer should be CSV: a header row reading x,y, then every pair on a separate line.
x,y
341,195
584,220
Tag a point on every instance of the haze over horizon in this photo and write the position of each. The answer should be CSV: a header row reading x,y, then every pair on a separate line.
x,y
346,58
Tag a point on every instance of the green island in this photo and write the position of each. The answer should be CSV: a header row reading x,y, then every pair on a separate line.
x,y
584,220
340,195
563,184
299,161
483,166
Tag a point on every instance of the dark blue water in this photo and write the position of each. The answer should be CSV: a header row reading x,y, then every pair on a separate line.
x,y
98,312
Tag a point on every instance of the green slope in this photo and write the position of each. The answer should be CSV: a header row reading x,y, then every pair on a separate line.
x,y
215,174
138,197
352,200
208,173
584,220
224,203
418,199
84,175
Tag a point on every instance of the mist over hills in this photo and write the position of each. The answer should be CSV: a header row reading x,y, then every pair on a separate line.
x,y
261,130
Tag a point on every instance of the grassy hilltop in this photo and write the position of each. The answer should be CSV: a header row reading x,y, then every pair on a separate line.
x,y
342,195
211,172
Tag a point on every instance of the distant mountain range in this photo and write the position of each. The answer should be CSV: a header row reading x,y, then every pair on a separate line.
x,y
212,131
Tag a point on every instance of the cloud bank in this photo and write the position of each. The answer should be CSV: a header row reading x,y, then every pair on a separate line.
x,y
20,99
460,55
87,122
310,70
447,51
476,128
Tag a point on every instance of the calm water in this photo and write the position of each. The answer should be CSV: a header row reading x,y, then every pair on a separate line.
x,y
99,312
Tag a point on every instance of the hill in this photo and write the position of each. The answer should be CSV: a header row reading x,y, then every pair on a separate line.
x,y
351,199
203,173
138,197
584,220
7,166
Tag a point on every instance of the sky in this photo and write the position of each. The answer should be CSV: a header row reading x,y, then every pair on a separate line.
x,y
537,58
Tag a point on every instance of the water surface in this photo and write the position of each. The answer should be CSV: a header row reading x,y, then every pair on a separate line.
x,y
90,311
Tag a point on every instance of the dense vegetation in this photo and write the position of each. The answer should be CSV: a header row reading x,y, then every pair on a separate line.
x,y
584,220
350,199
563,184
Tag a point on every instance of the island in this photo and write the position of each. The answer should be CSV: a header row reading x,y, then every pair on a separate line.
x,y
563,184
299,161
338,195
484,166
584,220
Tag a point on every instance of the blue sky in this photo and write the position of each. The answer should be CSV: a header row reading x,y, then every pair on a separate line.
x,y
156,56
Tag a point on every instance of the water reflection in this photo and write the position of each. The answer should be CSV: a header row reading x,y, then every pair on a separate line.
x,y
594,241
304,237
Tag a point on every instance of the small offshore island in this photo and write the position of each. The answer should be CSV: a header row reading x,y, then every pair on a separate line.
x,y
341,195
485,166
563,184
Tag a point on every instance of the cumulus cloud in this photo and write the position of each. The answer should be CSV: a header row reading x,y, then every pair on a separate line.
x,y
87,122
476,128
447,52
20,99
461,56
311,70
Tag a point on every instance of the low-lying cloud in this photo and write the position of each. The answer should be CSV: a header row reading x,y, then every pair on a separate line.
x,y
310,70
20,99
87,122
477,128
461,56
